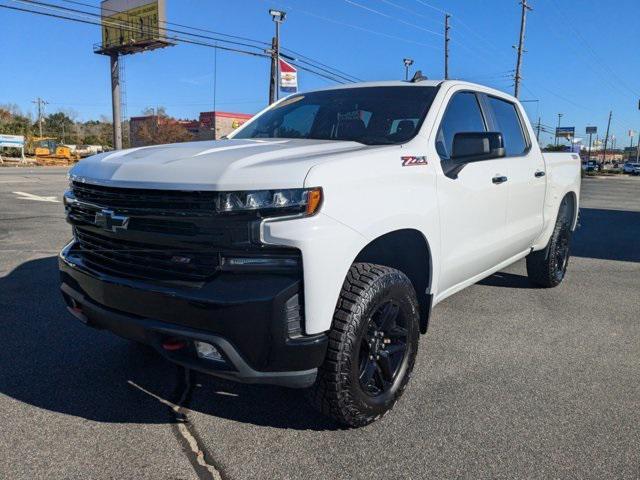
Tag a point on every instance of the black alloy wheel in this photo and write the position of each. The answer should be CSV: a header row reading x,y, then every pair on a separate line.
x,y
383,349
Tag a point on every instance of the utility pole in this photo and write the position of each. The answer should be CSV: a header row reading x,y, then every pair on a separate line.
x,y
523,25
446,45
407,63
559,117
538,130
115,101
278,17
41,103
606,139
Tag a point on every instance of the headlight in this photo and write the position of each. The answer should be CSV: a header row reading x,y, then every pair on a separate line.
x,y
277,202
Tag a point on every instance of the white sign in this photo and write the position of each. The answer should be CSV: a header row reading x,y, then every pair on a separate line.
x,y
13,141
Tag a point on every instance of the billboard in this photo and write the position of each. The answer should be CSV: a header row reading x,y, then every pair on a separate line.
x,y
129,26
288,77
565,132
591,130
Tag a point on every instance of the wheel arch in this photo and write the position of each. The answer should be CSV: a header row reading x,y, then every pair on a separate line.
x,y
409,251
573,204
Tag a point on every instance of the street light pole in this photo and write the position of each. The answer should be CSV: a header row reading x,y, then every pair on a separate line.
x,y
407,63
278,17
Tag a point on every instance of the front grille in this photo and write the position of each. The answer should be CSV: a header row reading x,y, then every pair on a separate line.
x,y
169,235
159,234
144,260
160,202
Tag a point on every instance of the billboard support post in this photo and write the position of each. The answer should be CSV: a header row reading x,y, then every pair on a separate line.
x,y
129,26
115,101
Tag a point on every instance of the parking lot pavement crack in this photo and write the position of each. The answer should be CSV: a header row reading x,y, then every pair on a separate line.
x,y
183,429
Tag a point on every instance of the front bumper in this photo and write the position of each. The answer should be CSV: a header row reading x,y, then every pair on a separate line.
x,y
249,317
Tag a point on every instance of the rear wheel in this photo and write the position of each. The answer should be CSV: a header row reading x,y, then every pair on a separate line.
x,y
548,267
372,346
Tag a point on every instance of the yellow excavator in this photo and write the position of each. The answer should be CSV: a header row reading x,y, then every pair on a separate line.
x,y
49,152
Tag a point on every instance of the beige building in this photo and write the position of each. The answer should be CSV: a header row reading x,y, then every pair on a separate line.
x,y
215,125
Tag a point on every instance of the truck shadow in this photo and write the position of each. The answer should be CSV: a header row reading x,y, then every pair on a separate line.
x,y
53,362
602,234
608,235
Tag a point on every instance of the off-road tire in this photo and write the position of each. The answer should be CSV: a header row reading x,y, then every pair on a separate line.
x,y
544,267
338,392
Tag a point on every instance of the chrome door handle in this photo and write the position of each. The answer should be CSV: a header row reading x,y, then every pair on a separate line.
x,y
539,173
499,179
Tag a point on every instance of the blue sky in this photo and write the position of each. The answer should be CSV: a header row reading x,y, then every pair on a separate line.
x,y
582,58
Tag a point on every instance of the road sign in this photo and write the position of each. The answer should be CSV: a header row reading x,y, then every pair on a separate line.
x,y
592,130
565,132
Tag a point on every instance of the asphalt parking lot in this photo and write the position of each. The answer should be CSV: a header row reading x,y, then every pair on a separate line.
x,y
511,381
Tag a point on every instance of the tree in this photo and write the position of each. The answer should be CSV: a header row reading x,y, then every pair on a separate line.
x,y
58,125
163,131
12,122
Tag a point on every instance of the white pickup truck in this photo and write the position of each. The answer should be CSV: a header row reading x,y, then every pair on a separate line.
x,y
308,249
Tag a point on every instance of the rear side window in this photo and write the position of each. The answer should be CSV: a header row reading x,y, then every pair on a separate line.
x,y
507,121
463,115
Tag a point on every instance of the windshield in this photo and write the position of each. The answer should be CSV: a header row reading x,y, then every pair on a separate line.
x,y
369,115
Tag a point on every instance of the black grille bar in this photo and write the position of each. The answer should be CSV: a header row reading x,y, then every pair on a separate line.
x,y
146,260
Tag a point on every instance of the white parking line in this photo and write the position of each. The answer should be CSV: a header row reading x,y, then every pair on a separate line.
x,y
36,198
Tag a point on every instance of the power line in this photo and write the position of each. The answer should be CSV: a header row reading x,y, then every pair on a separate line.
x,y
421,2
412,12
176,24
352,26
260,42
377,12
310,69
594,53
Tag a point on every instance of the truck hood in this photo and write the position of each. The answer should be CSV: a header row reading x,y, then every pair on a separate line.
x,y
212,165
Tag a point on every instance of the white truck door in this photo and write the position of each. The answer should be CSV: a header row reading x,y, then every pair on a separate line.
x,y
527,182
473,206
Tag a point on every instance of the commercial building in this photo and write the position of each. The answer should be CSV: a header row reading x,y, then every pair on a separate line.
x,y
209,126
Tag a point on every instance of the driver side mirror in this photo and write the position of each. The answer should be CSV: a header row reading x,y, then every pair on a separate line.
x,y
477,146
471,147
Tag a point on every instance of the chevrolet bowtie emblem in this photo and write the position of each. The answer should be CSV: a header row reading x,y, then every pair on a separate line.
x,y
108,220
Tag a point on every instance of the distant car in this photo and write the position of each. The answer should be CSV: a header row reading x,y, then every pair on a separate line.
x,y
629,167
636,169
590,166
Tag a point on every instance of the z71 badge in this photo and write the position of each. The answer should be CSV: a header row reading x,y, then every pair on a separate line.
x,y
413,161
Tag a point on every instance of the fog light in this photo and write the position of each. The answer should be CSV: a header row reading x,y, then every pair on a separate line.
x,y
208,351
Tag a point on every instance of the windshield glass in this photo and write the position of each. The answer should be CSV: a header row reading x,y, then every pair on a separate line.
x,y
369,115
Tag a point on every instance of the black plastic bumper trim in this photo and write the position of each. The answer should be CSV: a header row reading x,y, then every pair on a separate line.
x,y
152,332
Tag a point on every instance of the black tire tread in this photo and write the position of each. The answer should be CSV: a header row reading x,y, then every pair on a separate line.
x,y
328,395
539,266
